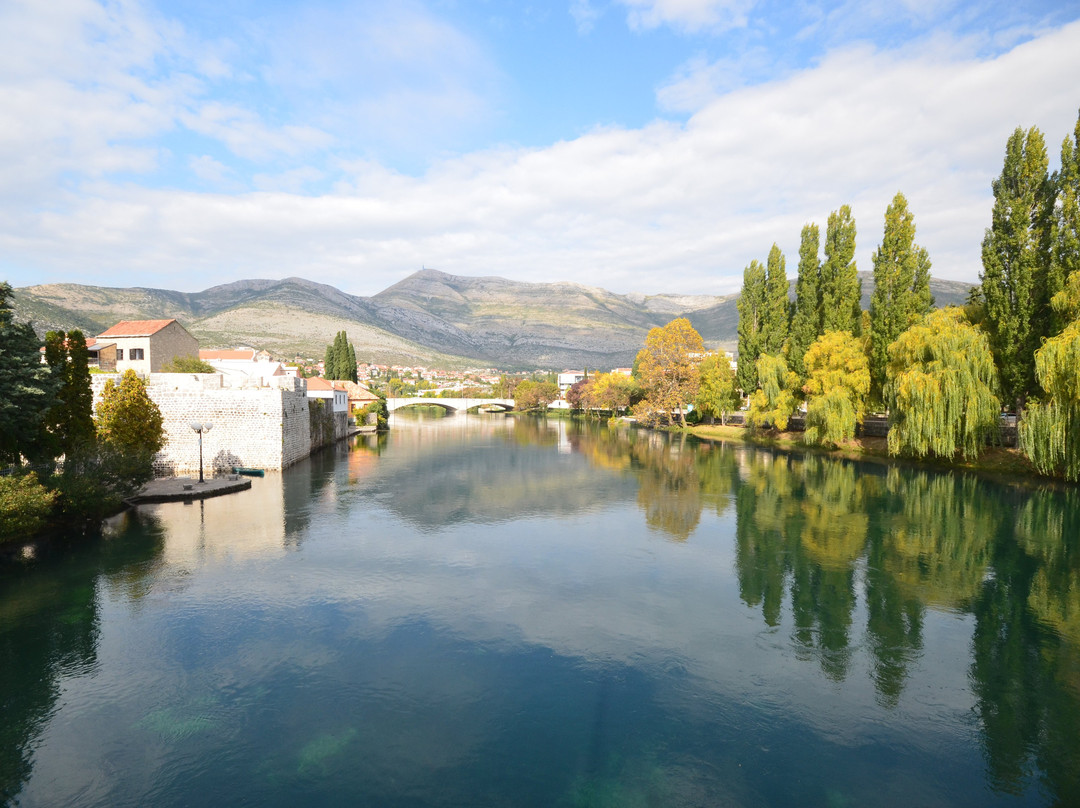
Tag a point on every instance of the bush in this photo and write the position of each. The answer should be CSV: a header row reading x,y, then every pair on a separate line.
x,y
188,364
24,505
95,487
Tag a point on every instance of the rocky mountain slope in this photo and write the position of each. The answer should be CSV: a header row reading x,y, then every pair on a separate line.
x,y
428,318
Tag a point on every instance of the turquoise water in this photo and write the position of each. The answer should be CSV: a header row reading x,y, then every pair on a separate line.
x,y
513,612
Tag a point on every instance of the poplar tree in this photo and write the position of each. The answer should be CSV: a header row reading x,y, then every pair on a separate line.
x,y
1014,285
901,288
70,422
806,320
776,317
841,288
1065,227
751,306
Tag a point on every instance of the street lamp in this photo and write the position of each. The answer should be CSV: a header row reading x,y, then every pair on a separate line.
x,y
201,428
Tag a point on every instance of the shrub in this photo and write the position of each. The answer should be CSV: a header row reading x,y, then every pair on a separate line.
x,y
24,505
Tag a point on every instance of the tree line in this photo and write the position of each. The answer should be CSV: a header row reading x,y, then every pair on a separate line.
x,y
57,458
941,375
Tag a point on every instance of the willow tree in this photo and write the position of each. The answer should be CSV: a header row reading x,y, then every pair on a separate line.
x,y
668,368
774,402
841,289
717,395
1014,263
837,387
751,307
1050,430
940,388
806,318
777,313
901,287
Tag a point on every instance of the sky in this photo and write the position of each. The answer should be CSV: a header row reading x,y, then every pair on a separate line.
x,y
648,146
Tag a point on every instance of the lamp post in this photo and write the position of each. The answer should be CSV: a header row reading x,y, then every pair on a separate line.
x,y
201,428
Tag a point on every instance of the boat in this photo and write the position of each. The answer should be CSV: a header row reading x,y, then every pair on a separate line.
x,y
248,472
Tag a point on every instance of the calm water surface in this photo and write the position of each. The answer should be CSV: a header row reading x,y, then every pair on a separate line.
x,y
513,612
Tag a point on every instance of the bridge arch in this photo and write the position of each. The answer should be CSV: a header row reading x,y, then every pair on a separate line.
x,y
449,404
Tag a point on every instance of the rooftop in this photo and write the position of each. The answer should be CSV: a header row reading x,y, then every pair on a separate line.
x,y
135,328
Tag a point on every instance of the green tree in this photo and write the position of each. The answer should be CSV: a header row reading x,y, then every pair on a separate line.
x,y
532,395
751,307
806,319
837,387
27,388
901,288
716,395
1050,430
940,388
669,370
71,420
776,319
128,420
1014,263
841,289
1065,227
774,402
187,364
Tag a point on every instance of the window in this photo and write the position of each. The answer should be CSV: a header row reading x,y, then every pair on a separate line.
x,y
119,354
135,353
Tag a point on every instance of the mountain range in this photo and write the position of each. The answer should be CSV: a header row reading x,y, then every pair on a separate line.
x,y
429,318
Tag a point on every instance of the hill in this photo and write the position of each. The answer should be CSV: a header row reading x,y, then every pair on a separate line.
x,y
429,318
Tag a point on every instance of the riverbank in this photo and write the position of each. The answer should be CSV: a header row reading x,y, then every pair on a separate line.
x,y
995,462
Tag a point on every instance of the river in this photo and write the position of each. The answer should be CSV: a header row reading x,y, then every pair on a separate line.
x,y
493,610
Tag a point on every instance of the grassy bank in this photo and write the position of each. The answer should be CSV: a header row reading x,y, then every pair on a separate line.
x,y
1008,465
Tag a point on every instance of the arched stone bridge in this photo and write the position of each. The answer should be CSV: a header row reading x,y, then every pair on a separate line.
x,y
450,404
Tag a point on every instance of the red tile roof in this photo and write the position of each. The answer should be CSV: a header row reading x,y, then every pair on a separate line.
x,y
319,383
135,328
207,356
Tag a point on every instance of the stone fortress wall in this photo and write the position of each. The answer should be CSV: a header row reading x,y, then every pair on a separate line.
x,y
265,425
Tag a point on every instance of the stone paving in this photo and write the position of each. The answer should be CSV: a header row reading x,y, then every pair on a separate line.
x,y
170,489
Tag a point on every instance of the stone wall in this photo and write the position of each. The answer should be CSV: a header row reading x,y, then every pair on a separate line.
x,y
264,427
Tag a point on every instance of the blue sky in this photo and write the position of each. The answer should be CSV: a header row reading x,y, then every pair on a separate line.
x,y
638,145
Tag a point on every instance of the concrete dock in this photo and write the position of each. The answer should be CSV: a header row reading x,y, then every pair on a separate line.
x,y
178,489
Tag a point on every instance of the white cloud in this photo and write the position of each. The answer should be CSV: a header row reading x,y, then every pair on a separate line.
x,y
585,15
688,15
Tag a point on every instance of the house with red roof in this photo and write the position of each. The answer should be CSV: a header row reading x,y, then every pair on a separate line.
x,y
146,346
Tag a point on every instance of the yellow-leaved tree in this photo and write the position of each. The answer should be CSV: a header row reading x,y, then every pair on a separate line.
x,y
667,369
837,387
774,402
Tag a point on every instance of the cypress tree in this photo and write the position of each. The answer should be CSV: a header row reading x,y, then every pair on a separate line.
x,y
841,288
1065,229
806,320
78,397
901,288
27,387
776,319
1014,263
350,372
751,306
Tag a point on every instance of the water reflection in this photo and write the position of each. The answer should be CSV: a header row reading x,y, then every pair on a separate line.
x,y
551,612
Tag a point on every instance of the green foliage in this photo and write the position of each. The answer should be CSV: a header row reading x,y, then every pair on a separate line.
x,y
776,319
751,307
94,486
716,395
25,504
775,401
340,360
188,364
806,320
940,388
70,422
27,388
841,288
901,288
837,388
531,395
128,421
668,368
1014,263
382,414
1050,431
1065,226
